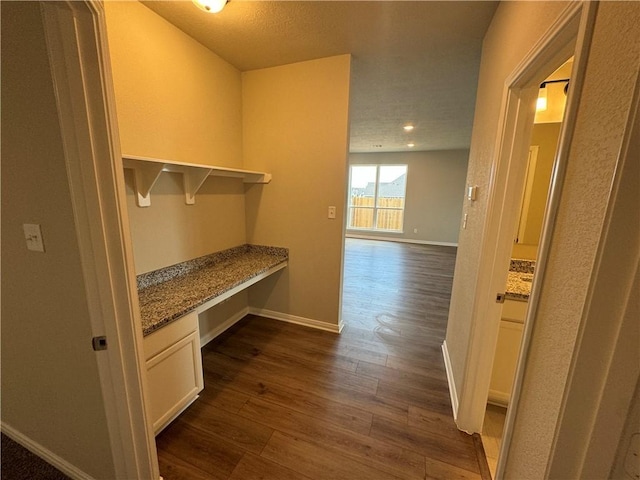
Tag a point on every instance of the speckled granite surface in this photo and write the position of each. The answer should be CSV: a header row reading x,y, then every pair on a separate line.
x,y
171,292
522,265
520,279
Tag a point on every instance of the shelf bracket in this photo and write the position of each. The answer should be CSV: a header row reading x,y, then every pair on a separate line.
x,y
193,179
147,170
145,177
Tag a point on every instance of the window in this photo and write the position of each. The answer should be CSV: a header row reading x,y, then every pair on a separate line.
x,y
376,197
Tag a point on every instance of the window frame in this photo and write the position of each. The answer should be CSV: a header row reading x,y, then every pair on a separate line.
x,y
375,206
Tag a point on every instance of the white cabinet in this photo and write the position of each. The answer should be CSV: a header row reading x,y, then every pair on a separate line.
x,y
174,369
507,351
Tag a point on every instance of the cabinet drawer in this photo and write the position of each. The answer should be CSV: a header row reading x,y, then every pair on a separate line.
x,y
174,378
169,334
514,311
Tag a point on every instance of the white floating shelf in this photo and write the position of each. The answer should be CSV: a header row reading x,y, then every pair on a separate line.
x,y
147,171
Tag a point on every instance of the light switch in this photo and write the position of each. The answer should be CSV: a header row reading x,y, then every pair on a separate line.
x,y
33,236
472,192
331,213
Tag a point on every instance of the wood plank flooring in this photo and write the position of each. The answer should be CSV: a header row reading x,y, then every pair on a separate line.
x,y
285,402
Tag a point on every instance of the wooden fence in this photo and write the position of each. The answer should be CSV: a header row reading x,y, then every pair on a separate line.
x,y
389,217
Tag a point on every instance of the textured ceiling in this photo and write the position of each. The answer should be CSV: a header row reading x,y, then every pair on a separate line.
x,y
413,62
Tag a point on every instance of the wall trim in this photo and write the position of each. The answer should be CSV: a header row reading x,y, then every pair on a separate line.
x,y
401,240
228,323
450,380
44,453
584,13
287,317
76,37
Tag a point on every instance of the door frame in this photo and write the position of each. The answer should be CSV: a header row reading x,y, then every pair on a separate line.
x,y
81,71
569,35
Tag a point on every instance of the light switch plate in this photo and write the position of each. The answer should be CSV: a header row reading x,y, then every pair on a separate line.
x,y
33,236
472,192
331,213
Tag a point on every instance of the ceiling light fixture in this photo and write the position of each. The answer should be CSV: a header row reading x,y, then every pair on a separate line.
x,y
210,6
411,145
541,103
408,128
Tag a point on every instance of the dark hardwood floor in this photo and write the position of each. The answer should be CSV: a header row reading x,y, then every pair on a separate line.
x,y
288,402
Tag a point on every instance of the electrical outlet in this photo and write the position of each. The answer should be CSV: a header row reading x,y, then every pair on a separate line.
x,y
33,236
331,213
464,222
415,230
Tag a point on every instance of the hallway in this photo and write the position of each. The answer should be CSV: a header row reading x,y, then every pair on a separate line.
x,y
287,402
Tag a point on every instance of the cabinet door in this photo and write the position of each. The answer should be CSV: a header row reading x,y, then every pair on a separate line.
x,y
505,361
174,378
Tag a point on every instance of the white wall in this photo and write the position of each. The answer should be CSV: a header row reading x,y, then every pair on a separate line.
x,y
296,127
50,386
435,190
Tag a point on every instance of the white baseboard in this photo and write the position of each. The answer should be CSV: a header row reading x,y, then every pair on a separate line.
x,y
500,399
286,317
401,240
450,380
44,453
206,337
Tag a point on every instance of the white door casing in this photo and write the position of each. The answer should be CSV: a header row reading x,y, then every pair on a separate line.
x,y
569,35
79,58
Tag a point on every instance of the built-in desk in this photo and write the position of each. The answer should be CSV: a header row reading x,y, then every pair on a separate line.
x,y
170,300
169,293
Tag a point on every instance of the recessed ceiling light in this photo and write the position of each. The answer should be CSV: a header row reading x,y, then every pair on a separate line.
x,y
408,128
411,145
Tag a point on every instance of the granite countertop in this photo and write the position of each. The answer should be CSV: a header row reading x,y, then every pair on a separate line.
x,y
169,293
519,279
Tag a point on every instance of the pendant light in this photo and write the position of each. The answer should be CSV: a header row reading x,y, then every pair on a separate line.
x,y
541,103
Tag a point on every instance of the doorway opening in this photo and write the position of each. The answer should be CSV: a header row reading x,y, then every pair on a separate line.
x,y
570,35
539,161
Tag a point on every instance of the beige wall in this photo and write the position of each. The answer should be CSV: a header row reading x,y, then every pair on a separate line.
x,y
565,308
606,364
435,190
515,28
295,123
176,100
545,136
169,231
296,127
50,385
